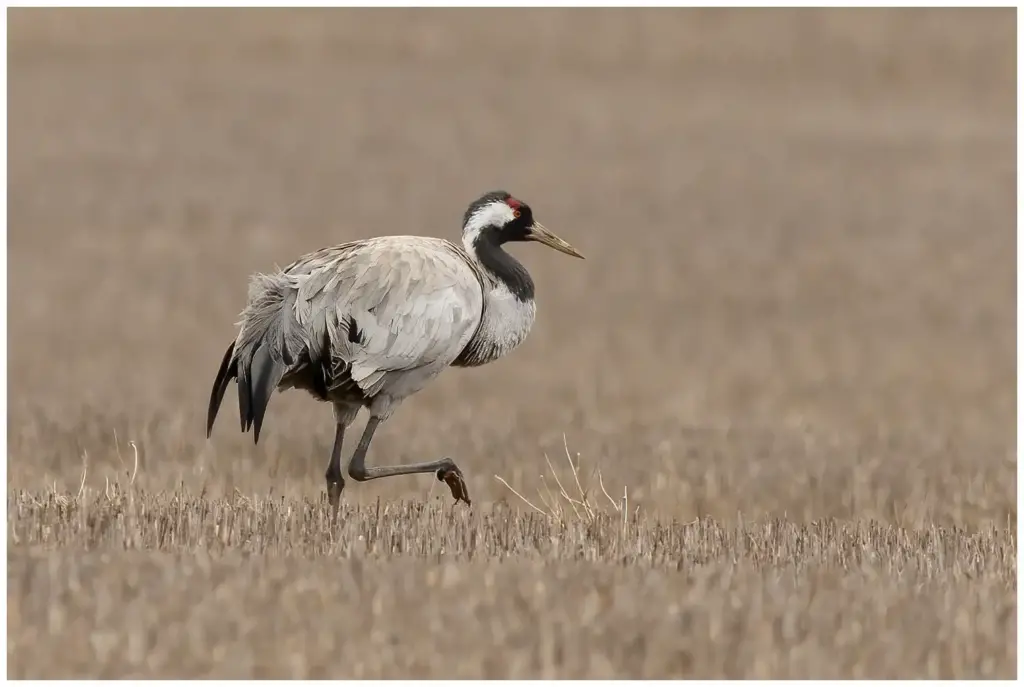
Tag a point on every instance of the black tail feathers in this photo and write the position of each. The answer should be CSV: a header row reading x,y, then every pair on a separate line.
x,y
227,372
264,375
256,382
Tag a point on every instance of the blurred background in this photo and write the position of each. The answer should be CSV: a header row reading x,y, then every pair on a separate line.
x,y
799,225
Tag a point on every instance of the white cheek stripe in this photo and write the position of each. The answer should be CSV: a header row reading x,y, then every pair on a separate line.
x,y
496,214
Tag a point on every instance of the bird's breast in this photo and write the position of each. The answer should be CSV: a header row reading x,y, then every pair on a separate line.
x,y
505,323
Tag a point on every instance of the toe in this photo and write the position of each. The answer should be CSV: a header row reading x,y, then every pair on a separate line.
x,y
457,484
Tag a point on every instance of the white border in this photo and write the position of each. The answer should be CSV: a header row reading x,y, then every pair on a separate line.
x,y
1020,291
527,3
648,3
3,363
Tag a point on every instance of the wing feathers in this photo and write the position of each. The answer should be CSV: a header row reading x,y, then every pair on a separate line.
x,y
244,398
267,373
224,375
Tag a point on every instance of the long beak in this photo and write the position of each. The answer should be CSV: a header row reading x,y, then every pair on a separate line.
x,y
538,232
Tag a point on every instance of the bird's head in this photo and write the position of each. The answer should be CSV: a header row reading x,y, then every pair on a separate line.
x,y
497,217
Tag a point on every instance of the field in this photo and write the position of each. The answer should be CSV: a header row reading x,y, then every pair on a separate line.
x,y
789,355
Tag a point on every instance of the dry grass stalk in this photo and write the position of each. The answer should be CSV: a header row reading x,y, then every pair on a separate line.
x,y
560,502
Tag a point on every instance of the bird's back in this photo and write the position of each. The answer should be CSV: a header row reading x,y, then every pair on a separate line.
x,y
380,315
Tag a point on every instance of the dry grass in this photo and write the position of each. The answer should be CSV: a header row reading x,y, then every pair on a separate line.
x,y
267,587
776,402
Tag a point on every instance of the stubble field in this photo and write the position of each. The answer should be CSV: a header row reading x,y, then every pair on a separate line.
x,y
791,346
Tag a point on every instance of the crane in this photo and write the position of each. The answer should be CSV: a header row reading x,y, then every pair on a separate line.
x,y
368,323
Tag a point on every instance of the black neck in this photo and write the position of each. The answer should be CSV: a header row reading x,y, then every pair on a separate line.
x,y
502,266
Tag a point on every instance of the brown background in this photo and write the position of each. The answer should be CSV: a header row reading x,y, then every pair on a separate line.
x,y
798,304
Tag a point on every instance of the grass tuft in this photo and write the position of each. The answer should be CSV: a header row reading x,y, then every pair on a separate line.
x,y
582,505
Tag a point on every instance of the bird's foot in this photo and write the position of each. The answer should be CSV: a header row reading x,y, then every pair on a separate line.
x,y
451,475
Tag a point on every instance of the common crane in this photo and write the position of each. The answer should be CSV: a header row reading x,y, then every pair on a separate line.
x,y
368,323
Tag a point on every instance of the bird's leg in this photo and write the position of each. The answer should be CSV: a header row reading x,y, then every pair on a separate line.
x,y
445,469
335,480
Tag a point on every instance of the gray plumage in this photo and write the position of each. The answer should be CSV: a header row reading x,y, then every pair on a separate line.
x,y
368,323
363,320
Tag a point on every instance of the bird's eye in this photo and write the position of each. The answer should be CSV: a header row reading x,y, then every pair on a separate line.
x,y
517,214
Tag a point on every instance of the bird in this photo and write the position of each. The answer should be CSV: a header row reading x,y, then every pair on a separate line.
x,y
367,323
